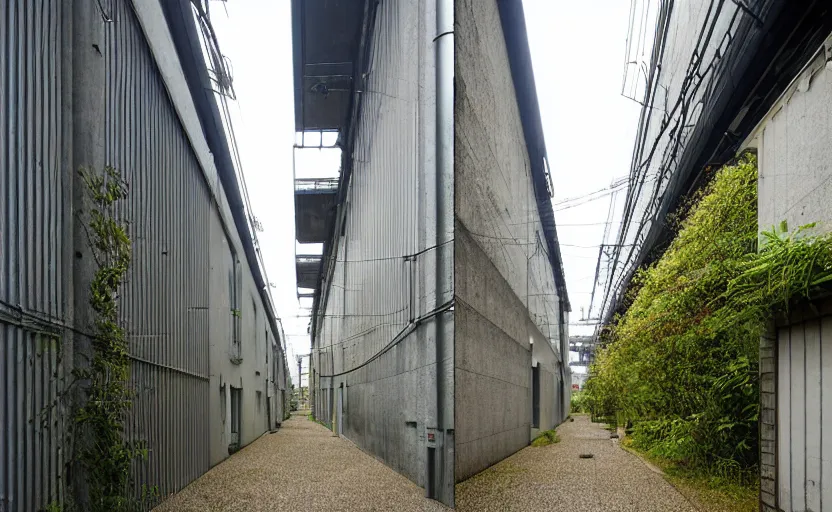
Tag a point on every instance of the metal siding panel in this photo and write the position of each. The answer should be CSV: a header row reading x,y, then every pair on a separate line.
x,y
814,427
798,417
784,409
165,298
31,292
390,214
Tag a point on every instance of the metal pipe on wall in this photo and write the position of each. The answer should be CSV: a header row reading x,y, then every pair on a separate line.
x,y
437,480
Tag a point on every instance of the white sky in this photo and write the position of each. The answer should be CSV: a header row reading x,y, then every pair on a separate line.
x,y
578,55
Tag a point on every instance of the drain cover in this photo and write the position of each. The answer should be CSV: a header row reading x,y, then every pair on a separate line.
x,y
586,456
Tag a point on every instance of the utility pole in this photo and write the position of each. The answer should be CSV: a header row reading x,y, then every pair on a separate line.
x,y
300,375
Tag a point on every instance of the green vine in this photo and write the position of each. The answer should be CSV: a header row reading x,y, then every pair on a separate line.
x,y
102,452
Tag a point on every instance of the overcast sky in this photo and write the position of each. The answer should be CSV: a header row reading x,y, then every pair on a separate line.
x,y
578,53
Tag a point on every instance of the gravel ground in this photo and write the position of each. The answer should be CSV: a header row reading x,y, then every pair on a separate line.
x,y
302,467
555,478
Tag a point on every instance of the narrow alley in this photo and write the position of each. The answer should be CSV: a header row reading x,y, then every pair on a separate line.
x,y
552,478
279,472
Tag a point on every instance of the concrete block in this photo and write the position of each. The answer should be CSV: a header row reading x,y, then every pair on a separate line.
x,y
767,485
767,499
767,384
768,401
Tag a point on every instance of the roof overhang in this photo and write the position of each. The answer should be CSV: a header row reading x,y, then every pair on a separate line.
x,y
325,37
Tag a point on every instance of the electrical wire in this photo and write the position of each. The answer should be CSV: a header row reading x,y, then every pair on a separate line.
x,y
675,128
404,333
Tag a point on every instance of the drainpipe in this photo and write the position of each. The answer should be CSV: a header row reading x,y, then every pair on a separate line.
x,y
440,483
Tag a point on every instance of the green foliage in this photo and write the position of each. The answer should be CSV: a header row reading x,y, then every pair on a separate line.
x,y
102,451
681,365
789,266
579,403
546,438
682,362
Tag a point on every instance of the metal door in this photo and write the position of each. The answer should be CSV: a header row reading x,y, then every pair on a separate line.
x,y
340,410
804,407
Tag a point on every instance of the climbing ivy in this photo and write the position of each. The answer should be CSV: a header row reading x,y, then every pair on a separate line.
x,y
102,452
681,365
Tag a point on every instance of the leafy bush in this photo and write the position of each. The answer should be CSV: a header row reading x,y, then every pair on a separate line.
x,y
578,403
682,363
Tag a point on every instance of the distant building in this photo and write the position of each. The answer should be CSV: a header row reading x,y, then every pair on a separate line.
x,y
439,330
584,347
125,84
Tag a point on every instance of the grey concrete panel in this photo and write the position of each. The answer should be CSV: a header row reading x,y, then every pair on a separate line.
x,y
795,163
480,285
477,455
505,287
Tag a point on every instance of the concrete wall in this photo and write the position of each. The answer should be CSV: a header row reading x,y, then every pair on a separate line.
x,y
508,313
248,372
795,183
492,370
795,161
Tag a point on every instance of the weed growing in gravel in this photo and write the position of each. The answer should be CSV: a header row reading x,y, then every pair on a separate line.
x,y
546,438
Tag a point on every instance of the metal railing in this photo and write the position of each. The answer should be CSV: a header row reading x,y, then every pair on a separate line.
x,y
322,184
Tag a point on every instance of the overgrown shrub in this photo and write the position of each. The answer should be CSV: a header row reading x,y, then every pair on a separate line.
x,y
677,364
578,403
682,363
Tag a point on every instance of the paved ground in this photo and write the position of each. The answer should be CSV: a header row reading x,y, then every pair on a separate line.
x,y
555,478
276,472
279,472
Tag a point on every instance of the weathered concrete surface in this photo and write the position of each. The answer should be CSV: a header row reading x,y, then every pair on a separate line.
x,y
492,360
301,467
556,478
795,165
503,280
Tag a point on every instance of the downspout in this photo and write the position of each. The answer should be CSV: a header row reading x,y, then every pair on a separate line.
x,y
440,484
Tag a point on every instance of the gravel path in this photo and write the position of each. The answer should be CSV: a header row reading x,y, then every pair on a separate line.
x,y
555,478
302,467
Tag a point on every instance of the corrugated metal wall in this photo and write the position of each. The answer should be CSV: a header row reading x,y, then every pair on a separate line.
x,y
804,408
165,295
165,299
374,292
32,282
